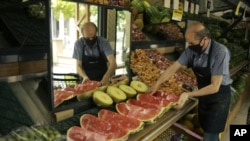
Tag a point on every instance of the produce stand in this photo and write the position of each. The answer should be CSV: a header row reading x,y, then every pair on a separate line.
x,y
151,131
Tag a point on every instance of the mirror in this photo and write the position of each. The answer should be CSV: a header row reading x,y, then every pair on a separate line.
x,y
65,26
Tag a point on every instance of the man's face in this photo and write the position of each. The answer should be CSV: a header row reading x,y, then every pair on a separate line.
x,y
89,32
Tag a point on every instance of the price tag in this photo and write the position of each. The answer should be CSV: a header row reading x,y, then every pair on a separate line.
x,y
237,8
186,4
177,13
167,3
192,8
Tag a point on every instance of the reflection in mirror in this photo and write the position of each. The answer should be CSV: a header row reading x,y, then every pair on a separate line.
x,y
66,25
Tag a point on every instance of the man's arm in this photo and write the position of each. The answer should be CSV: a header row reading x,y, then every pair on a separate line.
x,y
111,69
209,89
80,70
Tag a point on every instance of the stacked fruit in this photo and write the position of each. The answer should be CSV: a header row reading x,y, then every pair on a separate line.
x,y
38,133
133,109
191,122
145,64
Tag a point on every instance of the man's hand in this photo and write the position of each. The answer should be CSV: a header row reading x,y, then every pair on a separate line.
x,y
84,79
182,100
152,89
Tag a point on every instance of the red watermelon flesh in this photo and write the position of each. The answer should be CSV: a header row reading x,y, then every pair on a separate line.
x,y
155,100
140,113
86,86
62,95
169,97
143,104
76,133
128,123
103,127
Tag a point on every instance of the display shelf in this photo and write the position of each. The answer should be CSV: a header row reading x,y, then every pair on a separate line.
x,y
100,4
238,67
151,131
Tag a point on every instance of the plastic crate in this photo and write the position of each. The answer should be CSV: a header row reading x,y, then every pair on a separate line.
x,y
181,133
61,81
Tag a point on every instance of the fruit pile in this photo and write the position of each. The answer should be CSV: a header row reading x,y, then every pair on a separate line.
x,y
134,108
191,122
33,133
148,65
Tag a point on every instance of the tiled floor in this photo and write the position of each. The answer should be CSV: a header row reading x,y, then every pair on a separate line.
x,y
240,118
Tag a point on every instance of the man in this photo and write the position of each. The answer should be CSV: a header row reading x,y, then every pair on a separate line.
x,y
210,63
94,56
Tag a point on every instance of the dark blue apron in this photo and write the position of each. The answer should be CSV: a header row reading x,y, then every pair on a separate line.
x,y
94,67
212,109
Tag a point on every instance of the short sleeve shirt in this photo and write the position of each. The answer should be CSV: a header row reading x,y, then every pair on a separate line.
x,y
219,61
91,51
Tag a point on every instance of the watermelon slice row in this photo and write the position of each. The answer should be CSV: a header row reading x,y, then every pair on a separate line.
x,y
129,118
146,108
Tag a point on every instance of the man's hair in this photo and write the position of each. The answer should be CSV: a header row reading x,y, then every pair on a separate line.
x,y
89,23
203,33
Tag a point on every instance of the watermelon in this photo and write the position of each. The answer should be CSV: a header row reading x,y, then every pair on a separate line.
x,y
131,124
61,95
169,97
109,129
147,115
145,104
85,90
76,133
156,100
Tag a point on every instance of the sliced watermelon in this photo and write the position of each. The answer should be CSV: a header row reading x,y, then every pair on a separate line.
x,y
76,133
103,127
167,96
155,100
140,113
131,124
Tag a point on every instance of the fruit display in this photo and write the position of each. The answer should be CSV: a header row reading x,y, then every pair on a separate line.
x,y
109,129
132,125
116,94
128,90
148,65
139,86
81,91
76,133
102,99
38,133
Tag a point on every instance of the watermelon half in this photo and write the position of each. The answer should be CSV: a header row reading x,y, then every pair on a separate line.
x,y
76,133
155,100
170,97
147,115
130,124
145,104
103,127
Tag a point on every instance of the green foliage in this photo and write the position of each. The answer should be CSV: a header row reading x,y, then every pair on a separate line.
x,y
67,8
